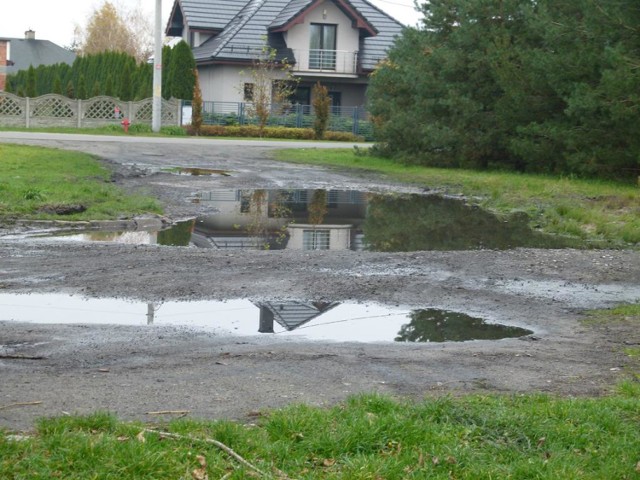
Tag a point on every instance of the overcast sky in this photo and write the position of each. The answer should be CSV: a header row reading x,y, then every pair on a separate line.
x,y
55,20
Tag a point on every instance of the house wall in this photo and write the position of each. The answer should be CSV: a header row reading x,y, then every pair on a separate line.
x,y
347,37
224,83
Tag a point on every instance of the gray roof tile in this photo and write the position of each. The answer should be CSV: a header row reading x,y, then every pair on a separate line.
x,y
25,53
244,34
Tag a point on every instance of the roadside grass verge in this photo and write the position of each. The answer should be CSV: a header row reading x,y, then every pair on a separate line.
x,y
34,180
603,212
368,437
115,129
625,320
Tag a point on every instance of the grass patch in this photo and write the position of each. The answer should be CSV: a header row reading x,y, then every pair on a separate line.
x,y
368,437
35,180
628,314
606,213
624,321
136,129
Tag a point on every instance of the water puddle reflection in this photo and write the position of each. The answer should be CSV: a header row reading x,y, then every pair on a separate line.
x,y
353,220
198,172
340,220
317,321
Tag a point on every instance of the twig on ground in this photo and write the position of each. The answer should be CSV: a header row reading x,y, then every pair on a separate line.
x,y
21,357
218,444
19,404
169,412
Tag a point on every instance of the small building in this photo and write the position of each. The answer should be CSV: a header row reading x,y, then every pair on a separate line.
x,y
336,42
20,53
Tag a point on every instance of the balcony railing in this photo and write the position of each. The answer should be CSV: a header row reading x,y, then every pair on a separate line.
x,y
326,61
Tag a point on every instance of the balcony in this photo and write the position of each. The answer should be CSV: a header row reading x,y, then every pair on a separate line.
x,y
326,62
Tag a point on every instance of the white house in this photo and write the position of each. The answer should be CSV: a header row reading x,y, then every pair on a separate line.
x,y
336,42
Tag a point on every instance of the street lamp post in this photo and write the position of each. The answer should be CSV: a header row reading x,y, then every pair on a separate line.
x,y
156,119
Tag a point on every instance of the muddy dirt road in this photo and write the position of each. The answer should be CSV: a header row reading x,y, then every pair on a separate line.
x,y
135,370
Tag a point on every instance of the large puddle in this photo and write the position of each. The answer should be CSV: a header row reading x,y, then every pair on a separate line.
x,y
339,220
315,321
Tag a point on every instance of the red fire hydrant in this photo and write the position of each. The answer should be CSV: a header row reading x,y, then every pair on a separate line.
x,y
125,124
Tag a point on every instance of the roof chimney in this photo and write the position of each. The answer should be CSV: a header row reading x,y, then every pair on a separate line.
x,y
30,35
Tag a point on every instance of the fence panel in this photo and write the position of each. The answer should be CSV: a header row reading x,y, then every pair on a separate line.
x,y
342,119
58,111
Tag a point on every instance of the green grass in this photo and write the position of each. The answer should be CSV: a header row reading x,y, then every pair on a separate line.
x,y
32,178
368,437
115,129
628,314
599,211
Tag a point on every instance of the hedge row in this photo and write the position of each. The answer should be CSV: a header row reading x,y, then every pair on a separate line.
x,y
271,132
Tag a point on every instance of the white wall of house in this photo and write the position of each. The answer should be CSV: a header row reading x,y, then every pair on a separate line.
x,y
347,37
223,83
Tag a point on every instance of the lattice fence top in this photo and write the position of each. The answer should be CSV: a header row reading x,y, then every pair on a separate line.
x,y
104,108
97,111
145,111
170,112
52,106
10,105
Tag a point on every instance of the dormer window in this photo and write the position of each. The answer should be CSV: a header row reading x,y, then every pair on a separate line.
x,y
322,46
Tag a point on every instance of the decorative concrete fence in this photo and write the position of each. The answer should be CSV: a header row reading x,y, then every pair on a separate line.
x,y
58,111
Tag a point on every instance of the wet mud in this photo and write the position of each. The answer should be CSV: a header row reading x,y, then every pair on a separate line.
x,y
133,370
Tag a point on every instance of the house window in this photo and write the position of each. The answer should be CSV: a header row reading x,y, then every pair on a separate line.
x,y
248,92
302,96
336,99
322,47
315,239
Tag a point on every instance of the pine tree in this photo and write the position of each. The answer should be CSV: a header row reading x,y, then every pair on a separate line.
x,y
57,85
108,86
126,83
32,87
82,92
95,91
70,90
181,77
166,62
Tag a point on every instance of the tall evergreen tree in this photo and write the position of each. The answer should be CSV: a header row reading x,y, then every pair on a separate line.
x,y
82,92
166,62
536,85
95,91
126,90
57,85
181,77
32,86
70,90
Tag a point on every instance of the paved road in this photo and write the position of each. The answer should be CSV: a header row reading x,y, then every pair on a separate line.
x,y
38,137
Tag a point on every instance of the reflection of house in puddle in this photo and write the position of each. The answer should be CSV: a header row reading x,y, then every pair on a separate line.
x,y
278,219
290,315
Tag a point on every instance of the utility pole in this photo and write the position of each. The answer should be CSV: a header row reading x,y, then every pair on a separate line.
x,y
156,119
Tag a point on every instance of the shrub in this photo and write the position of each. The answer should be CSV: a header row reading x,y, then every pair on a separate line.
x,y
322,106
174,130
269,132
342,137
